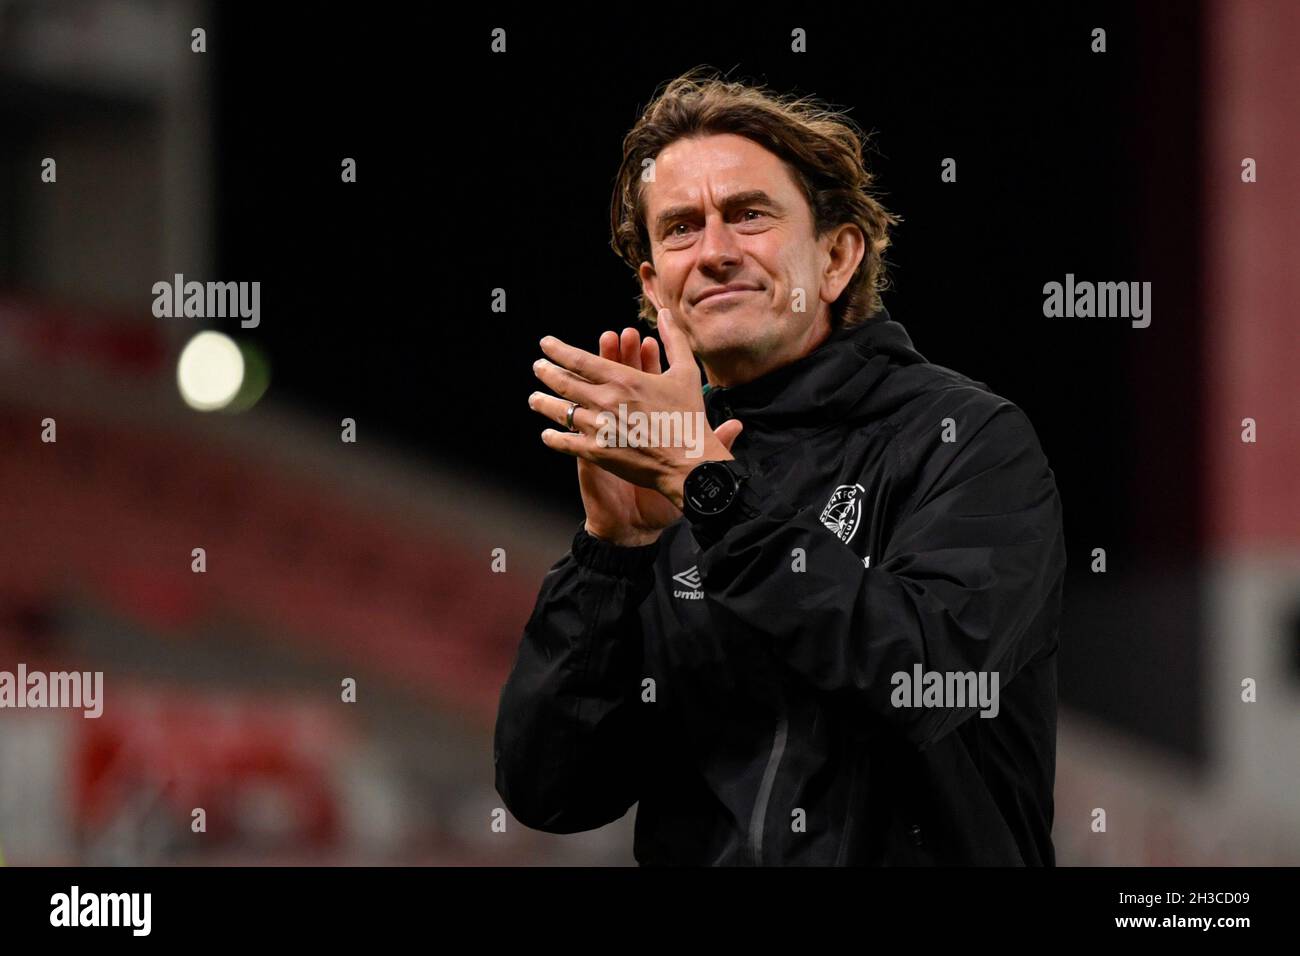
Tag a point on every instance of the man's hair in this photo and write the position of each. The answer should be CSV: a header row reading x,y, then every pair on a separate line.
x,y
821,147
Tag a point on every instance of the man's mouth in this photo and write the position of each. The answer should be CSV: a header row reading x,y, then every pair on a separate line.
x,y
723,292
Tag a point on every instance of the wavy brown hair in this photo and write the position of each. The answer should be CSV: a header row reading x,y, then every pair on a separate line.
x,y
822,148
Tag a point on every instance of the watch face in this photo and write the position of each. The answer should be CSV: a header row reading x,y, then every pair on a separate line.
x,y
709,488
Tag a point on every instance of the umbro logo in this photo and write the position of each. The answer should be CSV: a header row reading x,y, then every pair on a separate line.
x,y
690,579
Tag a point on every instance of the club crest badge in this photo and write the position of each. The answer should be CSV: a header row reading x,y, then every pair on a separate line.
x,y
844,511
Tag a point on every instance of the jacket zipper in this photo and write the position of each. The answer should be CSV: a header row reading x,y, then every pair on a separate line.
x,y
759,819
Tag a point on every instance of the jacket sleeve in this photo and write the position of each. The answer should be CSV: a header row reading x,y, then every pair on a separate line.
x,y
976,554
567,738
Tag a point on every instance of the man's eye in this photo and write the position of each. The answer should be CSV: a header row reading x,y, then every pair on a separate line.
x,y
755,211
672,230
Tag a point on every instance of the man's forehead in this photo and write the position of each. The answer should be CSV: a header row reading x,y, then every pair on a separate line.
x,y
714,167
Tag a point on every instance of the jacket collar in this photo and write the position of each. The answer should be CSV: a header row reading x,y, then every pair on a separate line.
x,y
824,386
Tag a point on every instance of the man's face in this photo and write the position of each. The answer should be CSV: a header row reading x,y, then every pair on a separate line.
x,y
724,211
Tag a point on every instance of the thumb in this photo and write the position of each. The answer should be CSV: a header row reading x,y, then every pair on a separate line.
x,y
728,431
676,346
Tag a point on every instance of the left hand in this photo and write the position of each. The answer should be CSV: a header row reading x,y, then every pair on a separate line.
x,y
600,386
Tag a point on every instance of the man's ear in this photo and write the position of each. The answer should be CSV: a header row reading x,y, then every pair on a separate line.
x,y
649,284
847,247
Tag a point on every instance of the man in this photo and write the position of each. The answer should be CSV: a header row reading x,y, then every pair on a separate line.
x,y
830,637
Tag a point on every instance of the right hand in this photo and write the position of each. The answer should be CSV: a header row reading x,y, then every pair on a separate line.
x,y
617,510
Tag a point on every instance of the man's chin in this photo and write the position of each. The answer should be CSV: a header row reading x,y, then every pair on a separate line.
x,y
726,345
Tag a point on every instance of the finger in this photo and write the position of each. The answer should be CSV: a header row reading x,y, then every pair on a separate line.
x,y
676,347
630,344
728,431
563,382
566,442
557,410
579,361
650,356
609,346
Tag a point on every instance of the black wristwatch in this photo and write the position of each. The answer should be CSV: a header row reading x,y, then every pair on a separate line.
x,y
711,491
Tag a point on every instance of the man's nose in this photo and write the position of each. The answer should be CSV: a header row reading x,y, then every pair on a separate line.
x,y
719,251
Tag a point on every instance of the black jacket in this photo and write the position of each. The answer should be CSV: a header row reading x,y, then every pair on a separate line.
x,y
739,683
